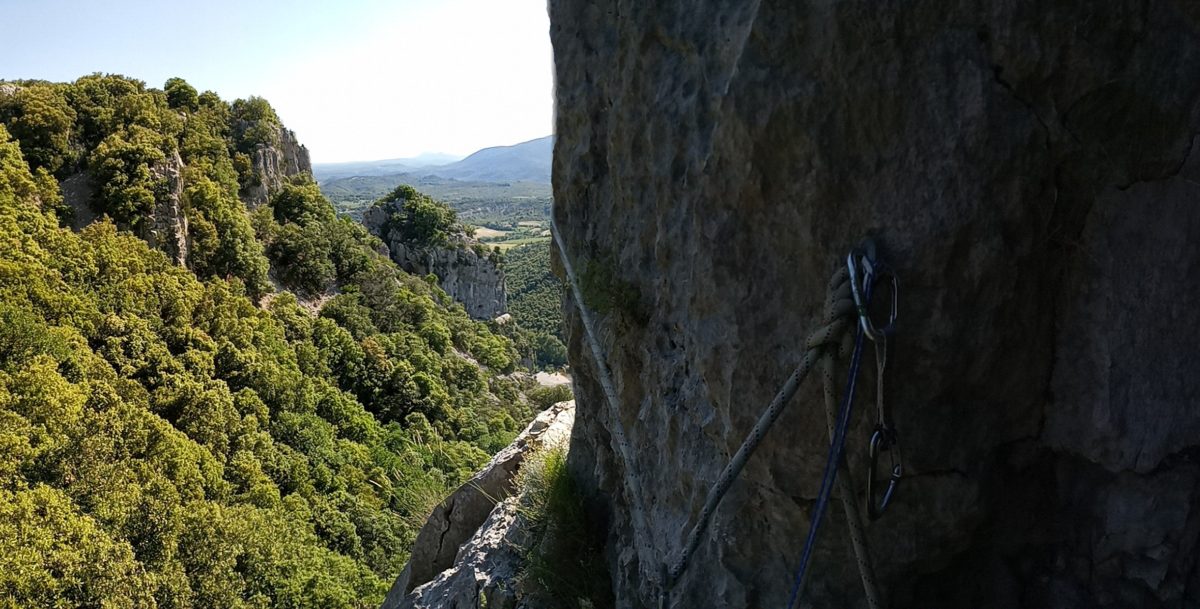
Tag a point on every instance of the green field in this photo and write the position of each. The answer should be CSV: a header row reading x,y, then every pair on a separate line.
x,y
506,245
505,215
509,235
484,204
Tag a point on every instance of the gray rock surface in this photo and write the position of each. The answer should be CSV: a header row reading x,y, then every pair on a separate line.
x,y
473,280
273,165
1030,171
168,226
467,547
77,191
485,569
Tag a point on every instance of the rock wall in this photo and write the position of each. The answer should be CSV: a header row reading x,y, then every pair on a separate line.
x,y
272,165
468,553
1030,171
167,229
473,280
77,191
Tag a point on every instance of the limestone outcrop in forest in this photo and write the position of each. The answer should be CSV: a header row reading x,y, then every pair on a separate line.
x,y
274,160
423,237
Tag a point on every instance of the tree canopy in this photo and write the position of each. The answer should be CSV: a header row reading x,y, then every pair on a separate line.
x,y
419,219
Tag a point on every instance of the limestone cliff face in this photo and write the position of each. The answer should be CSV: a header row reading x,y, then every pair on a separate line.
x,y
273,164
167,229
1032,174
472,279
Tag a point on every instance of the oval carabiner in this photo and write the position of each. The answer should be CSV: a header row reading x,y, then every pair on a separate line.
x,y
894,310
863,258
882,440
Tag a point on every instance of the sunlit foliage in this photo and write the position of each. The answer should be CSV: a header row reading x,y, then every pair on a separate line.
x,y
195,437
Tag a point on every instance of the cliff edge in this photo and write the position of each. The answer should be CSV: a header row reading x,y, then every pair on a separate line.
x,y
470,551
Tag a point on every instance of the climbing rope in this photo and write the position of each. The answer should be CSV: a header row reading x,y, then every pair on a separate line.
x,y
837,443
864,271
829,333
849,291
606,385
835,464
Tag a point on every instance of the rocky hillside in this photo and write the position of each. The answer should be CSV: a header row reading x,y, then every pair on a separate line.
x,y
273,161
422,237
1031,174
207,402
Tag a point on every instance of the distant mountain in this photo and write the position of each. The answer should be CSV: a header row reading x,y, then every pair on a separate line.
x,y
324,172
524,162
427,159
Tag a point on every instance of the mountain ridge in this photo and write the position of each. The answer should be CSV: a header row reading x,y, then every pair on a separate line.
x,y
344,169
527,161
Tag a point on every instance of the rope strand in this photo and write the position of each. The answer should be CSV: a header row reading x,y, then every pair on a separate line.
x,y
820,346
610,393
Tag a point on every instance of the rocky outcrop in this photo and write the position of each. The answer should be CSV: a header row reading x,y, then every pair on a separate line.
x,y
469,547
485,569
77,191
273,164
167,228
468,275
1030,171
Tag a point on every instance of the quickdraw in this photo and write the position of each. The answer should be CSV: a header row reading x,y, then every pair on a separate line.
x,y
863,271
866,271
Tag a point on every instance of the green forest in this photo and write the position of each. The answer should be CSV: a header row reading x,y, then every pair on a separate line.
x,y
535,302
265,426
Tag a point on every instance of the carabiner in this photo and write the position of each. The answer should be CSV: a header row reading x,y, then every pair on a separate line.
x,y
882,440
863,257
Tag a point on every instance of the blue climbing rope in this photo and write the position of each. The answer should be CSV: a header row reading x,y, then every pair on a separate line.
x,y
836,447
844,285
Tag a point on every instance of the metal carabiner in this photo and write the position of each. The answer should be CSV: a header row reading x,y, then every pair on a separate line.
x,y
882,440
863,257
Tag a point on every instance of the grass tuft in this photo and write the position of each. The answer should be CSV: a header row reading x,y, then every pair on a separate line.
x,y
563,563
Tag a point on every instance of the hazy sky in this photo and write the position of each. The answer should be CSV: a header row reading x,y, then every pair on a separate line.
x,y
356,79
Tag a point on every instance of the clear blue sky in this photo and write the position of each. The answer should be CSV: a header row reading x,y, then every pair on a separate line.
x,y
356,79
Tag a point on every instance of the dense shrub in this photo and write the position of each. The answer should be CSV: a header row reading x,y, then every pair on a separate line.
x,y
563,562
40,119
419,219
